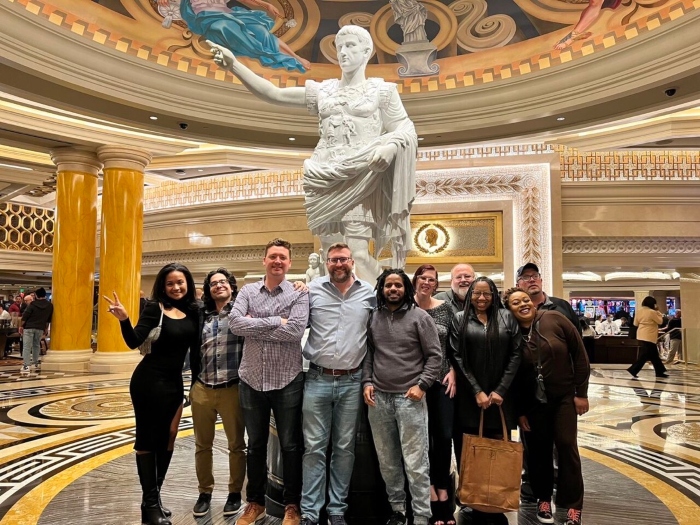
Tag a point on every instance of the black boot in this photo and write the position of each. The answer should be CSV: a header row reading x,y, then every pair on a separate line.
x,y
162,463
151,513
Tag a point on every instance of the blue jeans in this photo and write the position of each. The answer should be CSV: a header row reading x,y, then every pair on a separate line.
x,y
330,409
31,342
400,429
285,404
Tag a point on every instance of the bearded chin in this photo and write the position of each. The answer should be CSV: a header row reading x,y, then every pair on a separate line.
x,y
461,293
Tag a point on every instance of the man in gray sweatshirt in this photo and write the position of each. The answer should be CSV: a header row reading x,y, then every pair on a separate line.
x,y
402,362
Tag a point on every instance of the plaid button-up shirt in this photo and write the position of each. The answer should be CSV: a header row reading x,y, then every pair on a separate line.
x,y
221,349
272,350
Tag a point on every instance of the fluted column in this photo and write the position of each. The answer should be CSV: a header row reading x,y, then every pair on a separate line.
x,y
120,251
73,271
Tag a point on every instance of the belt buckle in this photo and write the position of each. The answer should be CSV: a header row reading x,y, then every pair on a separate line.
x,y
336,373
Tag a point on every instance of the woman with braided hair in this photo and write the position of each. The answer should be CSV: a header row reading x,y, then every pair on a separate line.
x,y
553,353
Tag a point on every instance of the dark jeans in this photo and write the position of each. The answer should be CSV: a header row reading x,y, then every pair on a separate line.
x,y
440,420
286,406
648,352
554,423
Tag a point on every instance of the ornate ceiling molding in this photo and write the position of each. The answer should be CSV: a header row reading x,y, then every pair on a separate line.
x,y
627,246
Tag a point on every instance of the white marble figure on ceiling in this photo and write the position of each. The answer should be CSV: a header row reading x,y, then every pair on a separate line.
x,y
411,16
359,184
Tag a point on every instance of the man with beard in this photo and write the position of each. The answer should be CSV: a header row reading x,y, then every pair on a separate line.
x,y
529,280
403,361
462,276
340,305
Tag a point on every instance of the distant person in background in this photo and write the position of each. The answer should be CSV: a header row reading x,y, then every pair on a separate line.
x,y
674,331
35,325
647,319
26,302
16,307
609,327
4,314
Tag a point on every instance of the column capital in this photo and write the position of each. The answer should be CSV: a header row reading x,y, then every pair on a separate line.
x,y
124,157
76,159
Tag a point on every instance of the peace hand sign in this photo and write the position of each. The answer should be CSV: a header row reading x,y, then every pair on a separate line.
x,y
116,308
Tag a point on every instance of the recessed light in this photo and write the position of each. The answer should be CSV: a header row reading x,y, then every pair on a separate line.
x,y
561,118
421,138
200,170
153,117
292,138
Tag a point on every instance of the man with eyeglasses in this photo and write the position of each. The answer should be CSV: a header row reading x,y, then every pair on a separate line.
x,y
461,277
214,392
529,280
340,305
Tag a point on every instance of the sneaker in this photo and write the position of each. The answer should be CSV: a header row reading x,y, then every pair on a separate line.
x,y
233,503
305,520
292,516
544,512
573,517
396,518
336,519
202,506
24,369
254,512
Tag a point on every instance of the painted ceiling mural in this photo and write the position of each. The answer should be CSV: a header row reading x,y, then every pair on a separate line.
x,y
425,45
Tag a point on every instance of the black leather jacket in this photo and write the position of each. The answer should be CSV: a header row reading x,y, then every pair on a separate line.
x,y
483,369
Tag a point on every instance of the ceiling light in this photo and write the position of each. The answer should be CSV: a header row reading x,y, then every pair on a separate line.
x,y
153,117
292,138
15,166
561,118
200,170
421,138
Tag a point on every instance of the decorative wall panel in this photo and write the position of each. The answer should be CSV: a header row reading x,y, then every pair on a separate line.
x,y
26,228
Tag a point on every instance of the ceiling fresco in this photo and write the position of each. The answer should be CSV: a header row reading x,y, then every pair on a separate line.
x,y
460,42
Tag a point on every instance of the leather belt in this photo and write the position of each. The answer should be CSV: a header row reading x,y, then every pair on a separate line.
x,y
332,371
219,385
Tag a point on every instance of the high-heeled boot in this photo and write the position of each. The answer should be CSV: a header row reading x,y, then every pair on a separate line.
x,y
151,512
163,458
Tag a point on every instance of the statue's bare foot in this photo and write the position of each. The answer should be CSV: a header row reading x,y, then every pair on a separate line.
x,y
304,63
570,38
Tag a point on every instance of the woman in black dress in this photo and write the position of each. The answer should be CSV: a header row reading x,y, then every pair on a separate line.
x,y
156,386
485,349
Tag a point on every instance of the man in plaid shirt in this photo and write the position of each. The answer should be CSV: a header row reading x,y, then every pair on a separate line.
x,y
214,391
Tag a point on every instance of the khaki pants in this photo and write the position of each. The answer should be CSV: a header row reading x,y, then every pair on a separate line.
x,y
207,403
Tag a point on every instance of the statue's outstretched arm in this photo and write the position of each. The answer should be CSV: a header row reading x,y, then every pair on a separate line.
x,y
258,86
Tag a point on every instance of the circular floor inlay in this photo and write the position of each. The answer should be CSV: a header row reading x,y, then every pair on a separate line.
x,y
98,406
684,433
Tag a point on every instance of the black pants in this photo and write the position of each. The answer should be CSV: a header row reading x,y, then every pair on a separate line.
x,y
286,407
554,424
648,352
440,420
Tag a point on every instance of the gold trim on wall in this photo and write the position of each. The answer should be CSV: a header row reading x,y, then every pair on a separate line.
x,y
440,238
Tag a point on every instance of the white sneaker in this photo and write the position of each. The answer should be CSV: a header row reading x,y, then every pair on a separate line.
x,y
24,369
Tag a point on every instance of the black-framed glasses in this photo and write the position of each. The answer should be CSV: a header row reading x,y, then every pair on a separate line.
x,y
220,282
529,278
338,260
486,295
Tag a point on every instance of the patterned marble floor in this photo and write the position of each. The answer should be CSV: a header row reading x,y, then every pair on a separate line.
x,y
66,452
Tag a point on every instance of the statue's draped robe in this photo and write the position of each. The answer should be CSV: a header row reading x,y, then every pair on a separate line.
x,y
340,187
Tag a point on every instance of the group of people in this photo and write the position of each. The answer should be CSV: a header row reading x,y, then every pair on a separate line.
x,y
424,363
33,313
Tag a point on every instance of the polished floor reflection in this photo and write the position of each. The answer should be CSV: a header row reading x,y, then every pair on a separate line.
x,y
66,452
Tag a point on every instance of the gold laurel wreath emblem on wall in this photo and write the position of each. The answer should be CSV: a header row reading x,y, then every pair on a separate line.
x,y
426,229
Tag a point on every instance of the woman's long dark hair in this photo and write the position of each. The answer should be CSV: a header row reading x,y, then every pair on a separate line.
x,y
209,303
649,302
491,313
158,292
409,292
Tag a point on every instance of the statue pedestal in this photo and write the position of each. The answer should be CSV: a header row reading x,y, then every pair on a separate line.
x,y
417,59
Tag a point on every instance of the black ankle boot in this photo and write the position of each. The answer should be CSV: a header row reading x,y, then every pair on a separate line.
x,y
162,463
151,512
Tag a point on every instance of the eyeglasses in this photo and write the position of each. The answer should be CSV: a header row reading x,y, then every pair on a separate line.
x,y
487,295
431,280
338,260
220,282
529,278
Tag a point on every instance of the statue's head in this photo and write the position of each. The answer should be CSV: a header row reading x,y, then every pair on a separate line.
x,y
314,260
363,38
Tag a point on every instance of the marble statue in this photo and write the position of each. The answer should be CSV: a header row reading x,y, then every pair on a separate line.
x,y
359,184
416,54
315,269
411,16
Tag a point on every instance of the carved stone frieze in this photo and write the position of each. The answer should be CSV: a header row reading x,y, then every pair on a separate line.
x,y
639,245
233,254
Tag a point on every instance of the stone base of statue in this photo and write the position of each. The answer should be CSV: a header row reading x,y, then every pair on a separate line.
x,y
417,59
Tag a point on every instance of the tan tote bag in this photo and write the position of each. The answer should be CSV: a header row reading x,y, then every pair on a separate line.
x,y
489,478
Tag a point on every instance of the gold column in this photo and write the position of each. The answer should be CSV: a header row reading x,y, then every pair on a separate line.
x,y
120,251
73,259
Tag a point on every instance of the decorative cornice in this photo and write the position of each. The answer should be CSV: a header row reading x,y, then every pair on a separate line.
x,y
233,254
627,246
